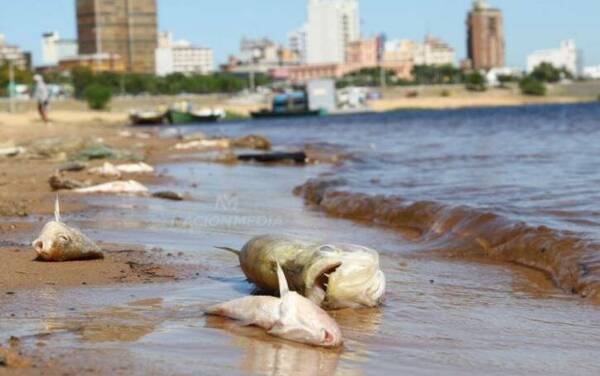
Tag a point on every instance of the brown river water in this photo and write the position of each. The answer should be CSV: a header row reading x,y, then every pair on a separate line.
x,y
486,221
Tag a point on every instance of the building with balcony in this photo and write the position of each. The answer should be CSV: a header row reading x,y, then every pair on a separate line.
x,y
181,57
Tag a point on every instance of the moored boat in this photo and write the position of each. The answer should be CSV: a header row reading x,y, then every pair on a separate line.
x,y
187,117
265,114
292,104
147,117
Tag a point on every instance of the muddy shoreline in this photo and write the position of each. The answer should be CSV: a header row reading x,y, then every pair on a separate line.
x,y
143,299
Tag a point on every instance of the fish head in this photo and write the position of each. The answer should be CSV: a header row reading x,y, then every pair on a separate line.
x,y
345,276
303,321
59,242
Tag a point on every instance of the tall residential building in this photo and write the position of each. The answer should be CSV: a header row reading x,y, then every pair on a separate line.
x,y
297,42
127,28
14,54
55,49
566,56
182,57
485,40
331,26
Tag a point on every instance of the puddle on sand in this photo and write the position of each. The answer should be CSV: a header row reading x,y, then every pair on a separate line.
x,y
439,315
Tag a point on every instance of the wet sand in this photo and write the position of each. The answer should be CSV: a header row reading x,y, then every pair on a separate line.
x,y
443,314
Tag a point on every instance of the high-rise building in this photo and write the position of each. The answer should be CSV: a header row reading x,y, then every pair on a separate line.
x,y
485,40
55,49
566,56
181,57
127,28
331,26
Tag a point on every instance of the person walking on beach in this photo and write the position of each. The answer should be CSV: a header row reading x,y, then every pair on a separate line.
x,y
42,96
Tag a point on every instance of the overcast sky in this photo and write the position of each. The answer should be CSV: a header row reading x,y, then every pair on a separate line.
x,y
529,24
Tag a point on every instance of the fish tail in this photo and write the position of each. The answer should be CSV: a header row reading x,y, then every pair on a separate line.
x,y
235,251
57,209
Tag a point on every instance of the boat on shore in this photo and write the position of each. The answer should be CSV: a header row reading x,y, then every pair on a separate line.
x,y
266,114
147,117
176,117
292,104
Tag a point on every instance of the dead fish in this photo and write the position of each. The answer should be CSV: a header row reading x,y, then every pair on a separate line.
x,y
290,317
168,195
135,168
220,143
124,187
58,182
331,275
107,170
72,167
59,242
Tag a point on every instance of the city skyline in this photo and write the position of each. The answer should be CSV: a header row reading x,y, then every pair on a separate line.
x,y
215,26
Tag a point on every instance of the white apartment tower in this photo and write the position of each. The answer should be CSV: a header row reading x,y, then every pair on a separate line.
x,y
331,25
55,49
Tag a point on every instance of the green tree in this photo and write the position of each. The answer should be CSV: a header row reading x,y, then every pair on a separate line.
x,y
546,72
505,79
365,77
97,96
532,86
23,77
476,82
434,74
81,78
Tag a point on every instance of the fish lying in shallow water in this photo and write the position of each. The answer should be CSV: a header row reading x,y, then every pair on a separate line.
x,y
59,242
331,275
290,317
117,187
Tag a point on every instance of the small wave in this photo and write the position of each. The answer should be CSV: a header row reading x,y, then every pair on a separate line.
x,y
572,262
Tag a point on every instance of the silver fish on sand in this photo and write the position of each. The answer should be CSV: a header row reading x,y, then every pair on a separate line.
x,y
331,275
290,317
59,242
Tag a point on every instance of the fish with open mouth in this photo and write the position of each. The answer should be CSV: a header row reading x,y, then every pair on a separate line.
x,y
332,275
59,242
291,316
